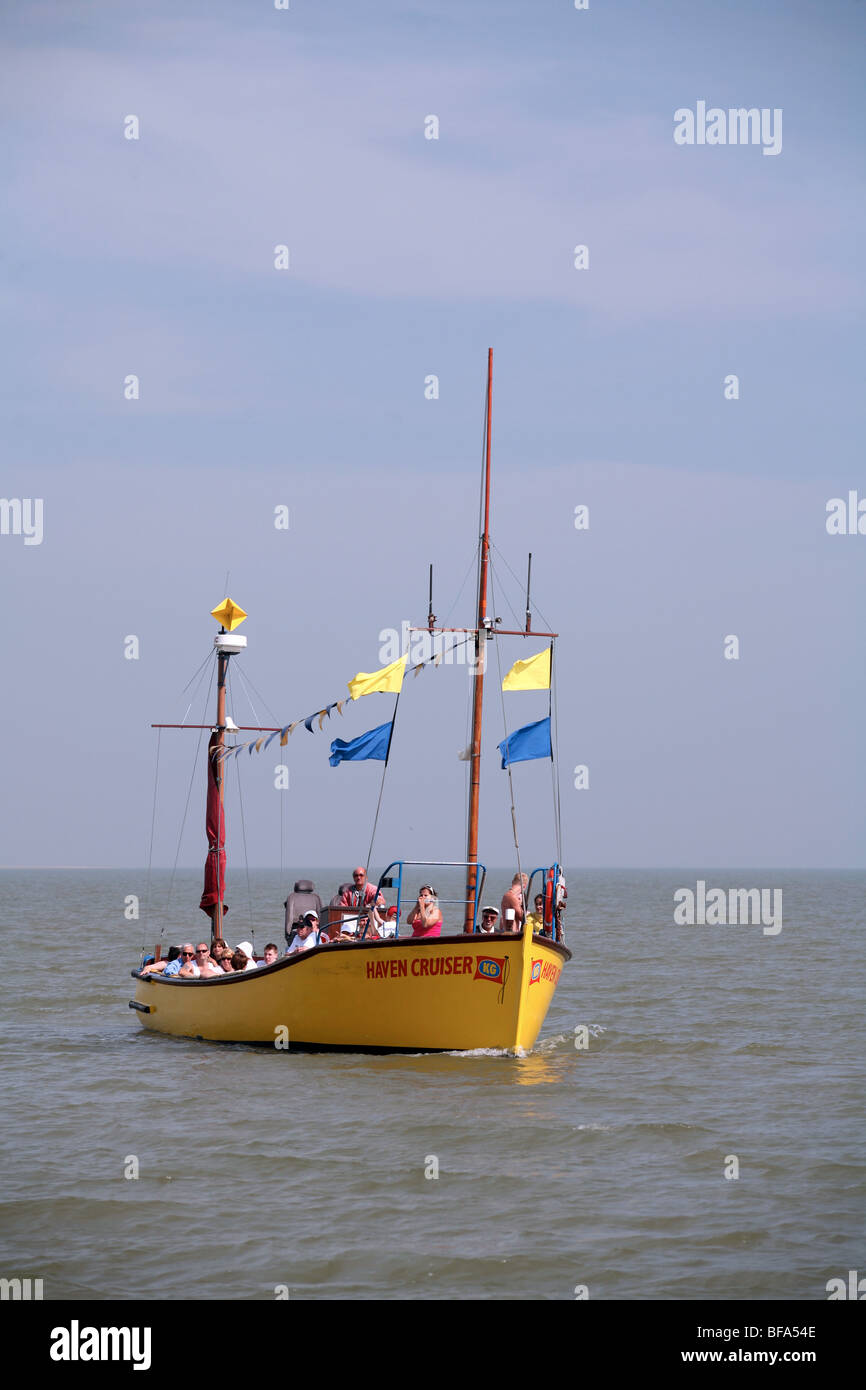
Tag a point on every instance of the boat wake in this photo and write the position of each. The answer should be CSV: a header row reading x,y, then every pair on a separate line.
x,y
488,1052
559,1040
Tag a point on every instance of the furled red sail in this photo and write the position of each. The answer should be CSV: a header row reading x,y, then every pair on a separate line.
x,y
215,864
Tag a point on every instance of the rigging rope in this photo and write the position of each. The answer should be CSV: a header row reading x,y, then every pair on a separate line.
x,y
282,838
472,562
554,722
249,697
508,769
468,738
554,725
517,621
145,915
188,795
520,582
230,700
258,694
379,802
190,681
246,856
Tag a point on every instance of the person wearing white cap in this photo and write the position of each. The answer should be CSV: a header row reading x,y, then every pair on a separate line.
x,y
489,918
308,934
247,948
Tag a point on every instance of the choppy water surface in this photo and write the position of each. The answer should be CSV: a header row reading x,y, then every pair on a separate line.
x,y
601,1167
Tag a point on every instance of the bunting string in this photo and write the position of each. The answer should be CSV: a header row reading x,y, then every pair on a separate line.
x,y
257,745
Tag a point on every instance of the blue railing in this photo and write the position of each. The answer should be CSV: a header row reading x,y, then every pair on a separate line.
x,y
554,869
400,864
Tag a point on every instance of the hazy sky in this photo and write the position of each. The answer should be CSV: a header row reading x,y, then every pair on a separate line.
x,y
408,257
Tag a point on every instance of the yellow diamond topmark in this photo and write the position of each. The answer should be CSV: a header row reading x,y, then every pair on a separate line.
x,y
229,614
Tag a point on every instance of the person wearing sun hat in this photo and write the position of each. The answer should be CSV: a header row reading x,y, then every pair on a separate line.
x,y
249,952
489,918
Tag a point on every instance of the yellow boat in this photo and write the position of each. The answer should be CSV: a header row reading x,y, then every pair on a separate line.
x,y
447,993
468,989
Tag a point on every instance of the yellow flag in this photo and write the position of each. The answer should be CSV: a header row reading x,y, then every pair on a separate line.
x,y
389,679
531,674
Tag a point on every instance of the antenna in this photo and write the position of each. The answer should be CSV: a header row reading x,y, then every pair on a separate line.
x,y
431,616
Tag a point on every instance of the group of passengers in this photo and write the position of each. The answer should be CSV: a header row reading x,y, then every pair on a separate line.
x,y
425,917
204,962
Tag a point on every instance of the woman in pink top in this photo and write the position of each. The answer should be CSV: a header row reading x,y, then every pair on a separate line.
x,y
425,919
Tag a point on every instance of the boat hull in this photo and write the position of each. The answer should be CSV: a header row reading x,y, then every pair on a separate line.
x,y
452,993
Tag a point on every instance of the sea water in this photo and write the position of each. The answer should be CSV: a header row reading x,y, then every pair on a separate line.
x,y
688,1126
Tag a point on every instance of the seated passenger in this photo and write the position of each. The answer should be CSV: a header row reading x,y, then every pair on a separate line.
x,y
425,919
363,894
207,966
271,954
308,934
536,918
186,957
192,969
489,919
389,923
337,932
513,904
245,949
158,967
224,960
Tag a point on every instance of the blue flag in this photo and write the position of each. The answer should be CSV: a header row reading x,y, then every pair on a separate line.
x,y
532,741
373,744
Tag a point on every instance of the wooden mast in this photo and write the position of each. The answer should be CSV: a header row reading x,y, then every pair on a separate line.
x,y
229,615
480,662
222,670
